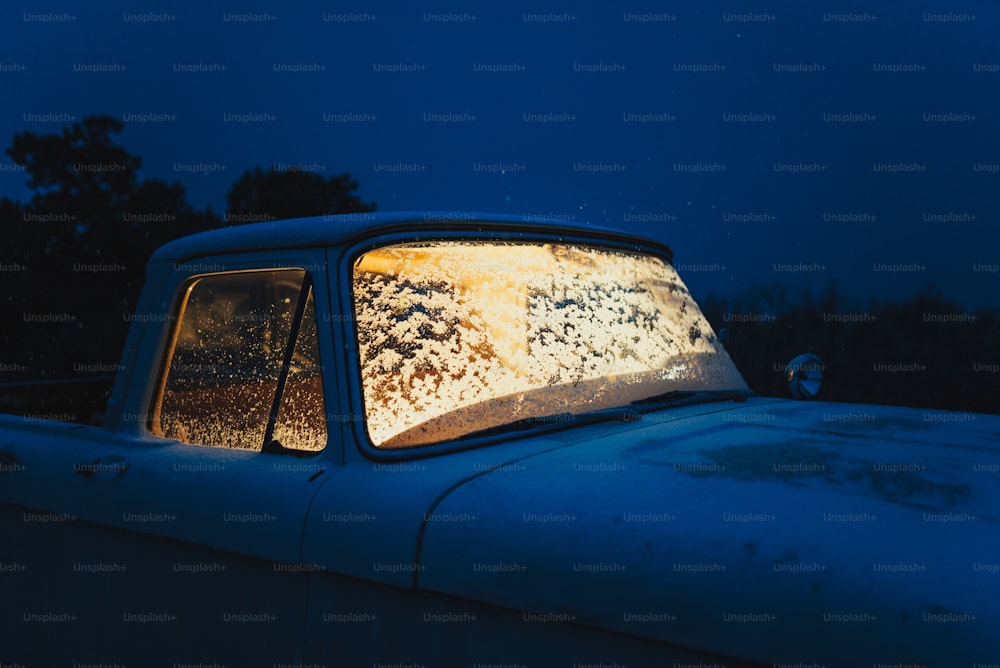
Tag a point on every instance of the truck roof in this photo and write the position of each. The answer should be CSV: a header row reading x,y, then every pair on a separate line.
x,y
338,229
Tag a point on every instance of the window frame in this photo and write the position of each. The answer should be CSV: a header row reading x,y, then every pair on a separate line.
x,y
498,232
158,339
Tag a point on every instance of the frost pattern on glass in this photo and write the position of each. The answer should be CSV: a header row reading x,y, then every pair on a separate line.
x,y
460,336
225,359
301,423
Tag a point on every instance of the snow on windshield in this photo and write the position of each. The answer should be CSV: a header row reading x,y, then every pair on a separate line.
x,y
460,336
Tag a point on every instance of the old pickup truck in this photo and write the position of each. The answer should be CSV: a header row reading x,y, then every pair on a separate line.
x,y
467,440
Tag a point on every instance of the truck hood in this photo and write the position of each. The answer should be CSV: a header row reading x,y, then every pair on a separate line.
x,y
771,530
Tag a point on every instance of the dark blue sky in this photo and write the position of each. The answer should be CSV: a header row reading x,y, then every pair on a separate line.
x,y
796,115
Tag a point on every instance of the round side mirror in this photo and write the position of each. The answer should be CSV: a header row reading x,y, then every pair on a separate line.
x,y
804,375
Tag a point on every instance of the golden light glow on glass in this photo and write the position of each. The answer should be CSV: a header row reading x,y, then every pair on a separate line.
x,y
455,337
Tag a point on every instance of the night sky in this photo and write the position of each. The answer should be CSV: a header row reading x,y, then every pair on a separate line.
x,y
790,143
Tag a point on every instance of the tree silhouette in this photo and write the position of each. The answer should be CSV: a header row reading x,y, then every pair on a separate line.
x,y
81,162
74,255
272,195
81,245
925,351
89,187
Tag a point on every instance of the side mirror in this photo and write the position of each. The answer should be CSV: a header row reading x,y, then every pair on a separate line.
x,y
804,375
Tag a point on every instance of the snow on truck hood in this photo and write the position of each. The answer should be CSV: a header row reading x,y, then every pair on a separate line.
x,y
771,530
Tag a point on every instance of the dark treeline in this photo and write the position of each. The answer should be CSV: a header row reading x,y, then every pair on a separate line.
x,y
925,351
73,257
72,265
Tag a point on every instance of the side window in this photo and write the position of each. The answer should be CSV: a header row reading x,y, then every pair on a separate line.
x,y
242,368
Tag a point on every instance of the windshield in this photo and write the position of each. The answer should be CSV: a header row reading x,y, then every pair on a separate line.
x,y
459,336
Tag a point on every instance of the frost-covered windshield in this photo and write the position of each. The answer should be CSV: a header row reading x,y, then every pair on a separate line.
x,y
459,336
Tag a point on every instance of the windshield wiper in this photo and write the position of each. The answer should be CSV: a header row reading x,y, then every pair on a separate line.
x,y
556,421
629,413
679,397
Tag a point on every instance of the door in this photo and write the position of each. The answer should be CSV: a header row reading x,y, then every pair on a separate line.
x,y
178,540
